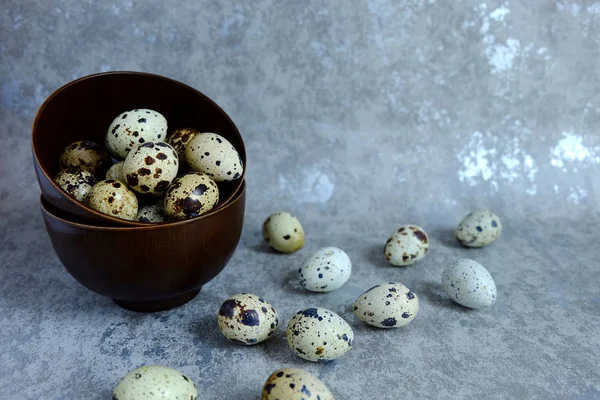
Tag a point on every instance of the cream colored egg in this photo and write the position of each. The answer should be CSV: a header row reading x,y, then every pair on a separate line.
x,y
283,232
247,319
327,269
76,182
89,156
387,305
294,384
191,195
132,128
317,334
151,167
115,172
479,229
113,198
155,382
213,155
406,246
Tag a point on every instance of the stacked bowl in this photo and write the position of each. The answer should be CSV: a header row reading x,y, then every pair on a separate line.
x,y
141,266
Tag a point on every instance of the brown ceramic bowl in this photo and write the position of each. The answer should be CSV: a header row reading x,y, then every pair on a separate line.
x,y
84,109
149,268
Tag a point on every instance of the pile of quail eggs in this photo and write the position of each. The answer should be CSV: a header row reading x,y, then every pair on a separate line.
x,y
317,334
147,174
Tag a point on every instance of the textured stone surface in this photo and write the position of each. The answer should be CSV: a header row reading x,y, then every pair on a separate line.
x,y
358,117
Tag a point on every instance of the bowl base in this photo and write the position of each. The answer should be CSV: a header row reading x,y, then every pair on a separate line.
x,y
157,305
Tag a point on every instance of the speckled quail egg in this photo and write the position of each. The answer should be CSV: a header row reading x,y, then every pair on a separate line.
x,y
479,229
406,246
132,128
115,172
294,384
190,195
215,156
151,167
469,284
247,319
155,382
283,232
113,198
152,213
317,334
179,139
388,305
325,270
76,182
89,156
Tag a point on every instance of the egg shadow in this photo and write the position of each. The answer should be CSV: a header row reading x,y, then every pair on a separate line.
x,y
206,330
375,255
242,396
434,292
266,249
276,348
447,237
106,394
291,283
348,312
349,309
262,248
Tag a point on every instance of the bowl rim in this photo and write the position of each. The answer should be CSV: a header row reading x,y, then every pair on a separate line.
x,y
119,221
148,226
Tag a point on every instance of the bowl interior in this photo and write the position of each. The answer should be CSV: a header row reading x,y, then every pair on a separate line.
x,y
84,109
74,220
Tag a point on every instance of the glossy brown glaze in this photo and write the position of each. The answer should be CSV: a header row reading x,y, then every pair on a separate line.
x,y
148,268
84,109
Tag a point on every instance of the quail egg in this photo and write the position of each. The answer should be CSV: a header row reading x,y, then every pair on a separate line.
x,y
213,155
406,246
388,305
89,156
76,182
190,195
151,167
132,128
155,382
325,270
294,384
113,198
115,172
247,319
469,284
152,213
317,334
283,232
180,138
479,229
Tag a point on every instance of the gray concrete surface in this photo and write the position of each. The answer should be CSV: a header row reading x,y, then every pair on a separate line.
x,y
358,116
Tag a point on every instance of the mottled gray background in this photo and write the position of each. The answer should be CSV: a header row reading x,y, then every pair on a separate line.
x,y
358,116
